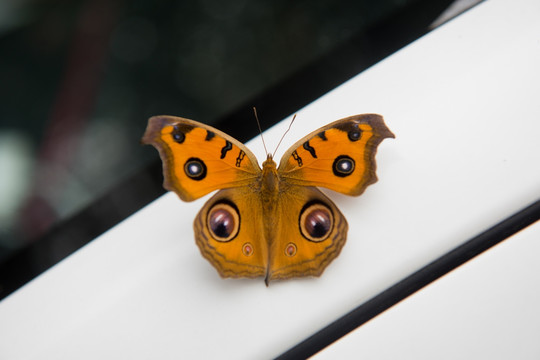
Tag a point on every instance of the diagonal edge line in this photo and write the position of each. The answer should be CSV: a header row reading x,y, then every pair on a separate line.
x,y
414,282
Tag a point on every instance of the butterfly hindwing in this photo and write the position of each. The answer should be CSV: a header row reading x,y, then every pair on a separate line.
x,y
229,231
310,233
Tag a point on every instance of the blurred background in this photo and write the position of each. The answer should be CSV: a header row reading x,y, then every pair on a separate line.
x,y
80,78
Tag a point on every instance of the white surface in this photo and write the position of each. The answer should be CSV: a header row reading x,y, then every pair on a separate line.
x,y
463,103
485,309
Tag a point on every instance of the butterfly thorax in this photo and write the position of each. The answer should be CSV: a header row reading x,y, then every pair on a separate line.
x,y
269,181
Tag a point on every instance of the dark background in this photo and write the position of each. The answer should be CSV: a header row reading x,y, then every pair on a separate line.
x,y
79,79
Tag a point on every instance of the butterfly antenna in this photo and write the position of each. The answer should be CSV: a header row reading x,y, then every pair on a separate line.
x,y
260,130
285,133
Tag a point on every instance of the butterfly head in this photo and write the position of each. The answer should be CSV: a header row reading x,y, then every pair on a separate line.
x,y
269,178
269,163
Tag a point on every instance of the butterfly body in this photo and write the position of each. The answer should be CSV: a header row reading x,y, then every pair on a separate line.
x,y
272,222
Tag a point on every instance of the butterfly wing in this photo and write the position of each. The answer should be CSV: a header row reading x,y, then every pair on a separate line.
x,y
300,236
310,233
339,156
198,158
229,232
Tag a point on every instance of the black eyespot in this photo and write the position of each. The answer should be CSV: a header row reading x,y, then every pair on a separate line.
x,y
224,223
343,166
195,169
354,135
178,135
316,221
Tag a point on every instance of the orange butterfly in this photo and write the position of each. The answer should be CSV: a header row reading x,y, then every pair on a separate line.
x,y
270,222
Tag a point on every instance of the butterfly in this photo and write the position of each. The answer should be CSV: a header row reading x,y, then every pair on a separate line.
x,y
272,222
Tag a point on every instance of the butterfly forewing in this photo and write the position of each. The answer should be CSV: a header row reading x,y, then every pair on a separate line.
x,y
197,158
339,156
